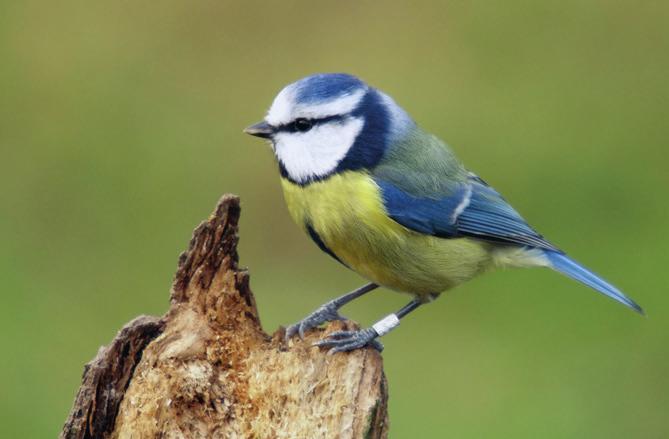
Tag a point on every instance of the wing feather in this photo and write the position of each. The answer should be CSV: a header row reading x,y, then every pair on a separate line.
x,y
474,209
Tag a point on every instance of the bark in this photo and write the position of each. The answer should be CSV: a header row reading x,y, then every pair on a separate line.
x,y
207,370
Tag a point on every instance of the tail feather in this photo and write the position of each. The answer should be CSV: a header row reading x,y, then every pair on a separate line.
x,y
563,264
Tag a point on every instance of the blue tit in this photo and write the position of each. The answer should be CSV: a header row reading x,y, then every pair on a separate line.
x,y
392,202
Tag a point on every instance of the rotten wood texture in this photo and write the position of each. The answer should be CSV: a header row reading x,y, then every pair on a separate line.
x,y
106,378
207,369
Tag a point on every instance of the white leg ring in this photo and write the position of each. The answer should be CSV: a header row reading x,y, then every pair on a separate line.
x,y
386,324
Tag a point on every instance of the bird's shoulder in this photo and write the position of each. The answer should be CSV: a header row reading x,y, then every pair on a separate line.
x,y
420,164
426,189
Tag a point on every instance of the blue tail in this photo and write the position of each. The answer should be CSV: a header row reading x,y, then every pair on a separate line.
x,y
562,263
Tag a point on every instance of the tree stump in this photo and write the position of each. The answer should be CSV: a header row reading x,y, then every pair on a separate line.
x,y
206,369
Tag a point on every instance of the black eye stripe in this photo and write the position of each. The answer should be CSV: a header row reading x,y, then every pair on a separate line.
x,y
293,128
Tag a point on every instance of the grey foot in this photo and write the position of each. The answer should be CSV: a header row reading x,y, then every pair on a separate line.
x,y
343,341
326,313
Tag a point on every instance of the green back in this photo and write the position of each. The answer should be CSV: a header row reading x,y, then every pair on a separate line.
x,y
421,165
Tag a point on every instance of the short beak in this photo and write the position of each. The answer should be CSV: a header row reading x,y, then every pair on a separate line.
x,y
261,129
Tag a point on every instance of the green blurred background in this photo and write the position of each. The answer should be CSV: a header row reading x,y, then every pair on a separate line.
x,y
120,126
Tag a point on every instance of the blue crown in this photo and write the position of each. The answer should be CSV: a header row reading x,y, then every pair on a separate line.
x,y
326,86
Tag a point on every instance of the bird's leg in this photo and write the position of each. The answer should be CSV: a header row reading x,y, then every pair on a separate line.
x,y
342,341
327,312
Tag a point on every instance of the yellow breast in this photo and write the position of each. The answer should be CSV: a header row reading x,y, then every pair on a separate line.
x,y
347,213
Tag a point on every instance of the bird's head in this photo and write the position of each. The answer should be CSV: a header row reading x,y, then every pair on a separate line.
x,y
329,123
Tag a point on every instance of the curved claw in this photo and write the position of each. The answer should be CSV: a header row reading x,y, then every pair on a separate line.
x,y
326,313
343,341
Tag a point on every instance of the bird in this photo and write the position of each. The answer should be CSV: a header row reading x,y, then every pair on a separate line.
x,y
393,203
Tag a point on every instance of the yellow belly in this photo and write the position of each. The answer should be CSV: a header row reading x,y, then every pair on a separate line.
x,y
347,213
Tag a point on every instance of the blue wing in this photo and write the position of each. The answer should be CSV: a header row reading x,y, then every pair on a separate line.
x,y
475,209
472,209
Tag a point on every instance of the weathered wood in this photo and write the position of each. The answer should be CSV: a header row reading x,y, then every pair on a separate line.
x,y
207,369
107,377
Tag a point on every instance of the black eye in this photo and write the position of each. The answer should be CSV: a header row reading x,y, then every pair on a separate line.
x,y
303,124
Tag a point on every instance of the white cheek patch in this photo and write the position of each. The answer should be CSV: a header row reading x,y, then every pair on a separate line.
x,y
317,152
285,109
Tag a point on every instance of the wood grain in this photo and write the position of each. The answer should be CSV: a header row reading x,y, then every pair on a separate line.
x,y
207,370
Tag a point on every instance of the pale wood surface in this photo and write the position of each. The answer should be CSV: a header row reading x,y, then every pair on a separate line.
x,y
207,370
